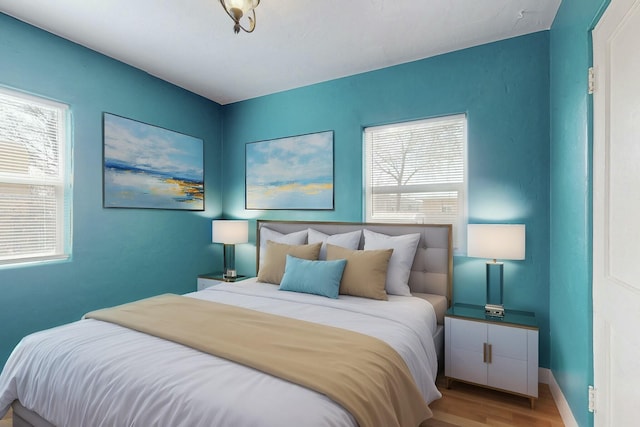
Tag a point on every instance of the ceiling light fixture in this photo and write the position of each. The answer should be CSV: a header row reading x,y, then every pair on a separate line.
x,y
236,9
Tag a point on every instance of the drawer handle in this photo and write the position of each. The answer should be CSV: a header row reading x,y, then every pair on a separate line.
x,y
486,353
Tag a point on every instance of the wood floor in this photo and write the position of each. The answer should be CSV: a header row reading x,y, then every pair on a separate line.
x,y
6,421
465,405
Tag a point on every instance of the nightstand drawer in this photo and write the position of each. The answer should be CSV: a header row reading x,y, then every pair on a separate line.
x,y
508,374
508,341
206,283
468,365
468,335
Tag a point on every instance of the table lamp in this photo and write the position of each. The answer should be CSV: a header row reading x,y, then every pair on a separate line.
x,y
495,241
229,233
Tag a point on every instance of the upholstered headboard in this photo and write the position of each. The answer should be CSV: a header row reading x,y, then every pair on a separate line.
x,y
432,269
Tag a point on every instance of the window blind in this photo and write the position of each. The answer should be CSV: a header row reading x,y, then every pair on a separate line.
x,y
34,215
415,172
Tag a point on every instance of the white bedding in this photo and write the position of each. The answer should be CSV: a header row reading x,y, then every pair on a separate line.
x,y
92,373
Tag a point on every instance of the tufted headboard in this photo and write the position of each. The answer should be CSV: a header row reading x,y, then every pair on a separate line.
x,y
432,269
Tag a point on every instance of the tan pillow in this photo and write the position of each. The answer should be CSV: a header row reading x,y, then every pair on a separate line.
x,y
365,273
272,269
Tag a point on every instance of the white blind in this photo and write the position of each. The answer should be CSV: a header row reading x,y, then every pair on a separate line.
x,y
34,218
416,173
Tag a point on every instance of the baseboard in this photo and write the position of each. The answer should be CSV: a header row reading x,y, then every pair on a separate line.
x,y
545,376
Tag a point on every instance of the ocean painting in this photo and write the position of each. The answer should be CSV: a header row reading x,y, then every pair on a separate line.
x,y
290,173
150,167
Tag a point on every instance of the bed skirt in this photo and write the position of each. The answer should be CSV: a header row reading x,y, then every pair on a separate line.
x,y
22,417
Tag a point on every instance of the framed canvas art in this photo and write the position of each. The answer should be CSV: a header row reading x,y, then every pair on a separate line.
x,y
290,173
149,167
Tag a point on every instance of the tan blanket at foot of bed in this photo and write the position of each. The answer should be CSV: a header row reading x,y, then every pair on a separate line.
x,y
363,374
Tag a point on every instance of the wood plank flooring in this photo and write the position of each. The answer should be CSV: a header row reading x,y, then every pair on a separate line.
x,y
6,421
464,405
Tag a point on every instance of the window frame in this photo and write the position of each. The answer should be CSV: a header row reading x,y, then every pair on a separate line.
x,y
459,228
61,183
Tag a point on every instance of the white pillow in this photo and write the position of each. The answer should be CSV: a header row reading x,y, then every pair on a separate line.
x,y
404,251
350,240
266,234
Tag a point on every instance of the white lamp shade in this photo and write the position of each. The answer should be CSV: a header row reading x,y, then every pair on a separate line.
x,y
229,231
496,241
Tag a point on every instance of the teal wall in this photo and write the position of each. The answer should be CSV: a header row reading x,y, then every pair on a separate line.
x,y
118,254
571,213
503,88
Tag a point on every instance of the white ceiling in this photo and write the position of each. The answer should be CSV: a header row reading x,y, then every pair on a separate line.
x,y
296,42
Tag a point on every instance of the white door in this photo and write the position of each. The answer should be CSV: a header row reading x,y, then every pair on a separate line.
x,y
616,215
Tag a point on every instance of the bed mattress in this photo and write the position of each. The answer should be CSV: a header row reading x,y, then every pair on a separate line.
x,y
95,373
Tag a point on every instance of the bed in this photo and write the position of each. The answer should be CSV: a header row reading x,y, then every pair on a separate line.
x,y
93,372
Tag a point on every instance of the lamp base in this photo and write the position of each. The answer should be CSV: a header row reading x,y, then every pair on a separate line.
x,y
229,262
494,310
230,274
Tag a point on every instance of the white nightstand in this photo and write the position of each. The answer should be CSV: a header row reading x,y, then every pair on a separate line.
x,y
212,279
498,353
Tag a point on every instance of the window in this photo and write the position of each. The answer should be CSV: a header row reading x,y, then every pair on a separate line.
x,y
35,184
416,173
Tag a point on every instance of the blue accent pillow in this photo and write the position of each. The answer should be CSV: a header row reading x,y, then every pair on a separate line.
x,y
313,277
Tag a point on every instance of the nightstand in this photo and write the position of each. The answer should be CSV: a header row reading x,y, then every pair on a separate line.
x,y
212,279
495,352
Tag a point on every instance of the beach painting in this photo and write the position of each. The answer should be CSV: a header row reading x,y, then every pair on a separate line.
x,y
290,173
150,167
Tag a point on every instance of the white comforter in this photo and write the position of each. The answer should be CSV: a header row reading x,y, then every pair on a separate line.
x,y
92,373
